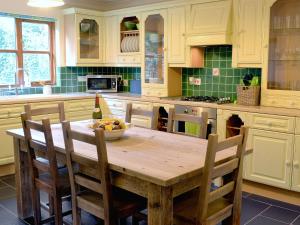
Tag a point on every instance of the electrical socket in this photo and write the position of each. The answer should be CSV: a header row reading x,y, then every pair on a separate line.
x,y
191,80
125,83
216,72
197,81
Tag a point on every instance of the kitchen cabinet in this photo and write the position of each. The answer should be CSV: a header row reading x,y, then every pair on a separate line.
x,y
296,166
247,47
177,35
271,160
111,28
83,39
129,40
280,82
157,78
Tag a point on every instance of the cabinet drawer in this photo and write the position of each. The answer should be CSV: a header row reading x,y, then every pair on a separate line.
x,y
80,105
142,106
155,92
141,121
129,59
11,111
114,104
273,123
297,130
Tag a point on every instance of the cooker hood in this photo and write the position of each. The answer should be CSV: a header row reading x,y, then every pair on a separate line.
x,y
210,24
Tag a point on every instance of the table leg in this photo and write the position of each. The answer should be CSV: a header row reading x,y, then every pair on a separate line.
x,y
23,182
160,205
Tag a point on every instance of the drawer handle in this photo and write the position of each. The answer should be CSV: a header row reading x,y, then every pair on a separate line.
x,y
288,163
296,164
270,124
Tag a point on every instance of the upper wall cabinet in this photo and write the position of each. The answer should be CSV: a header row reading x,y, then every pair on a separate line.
x,y
281,82
209,23
83,37
247,47
111,29
129,41
176,33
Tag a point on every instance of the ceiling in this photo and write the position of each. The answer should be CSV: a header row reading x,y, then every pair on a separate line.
x,y
105,5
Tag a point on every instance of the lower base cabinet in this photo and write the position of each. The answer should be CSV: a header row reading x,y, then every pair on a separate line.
x,y
296,165
271,160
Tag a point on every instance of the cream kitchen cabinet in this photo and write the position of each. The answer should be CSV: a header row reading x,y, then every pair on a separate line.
x,y
158,80
111,42
271,160
141,121
83,38
296,166
177,35
113,107
247,46
79,109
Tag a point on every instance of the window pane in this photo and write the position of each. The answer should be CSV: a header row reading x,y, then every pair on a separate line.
x,y
8,66
7,33
35,36
37,66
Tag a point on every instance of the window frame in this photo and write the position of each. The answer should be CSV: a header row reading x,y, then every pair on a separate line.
x,y
20,53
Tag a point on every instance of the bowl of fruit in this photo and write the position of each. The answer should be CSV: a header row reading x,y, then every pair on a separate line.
x,y
114,129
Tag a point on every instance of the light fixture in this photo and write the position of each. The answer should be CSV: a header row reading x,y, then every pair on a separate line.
x,y
45,3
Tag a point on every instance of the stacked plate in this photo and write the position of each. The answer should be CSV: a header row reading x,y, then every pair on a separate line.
x,y
130,44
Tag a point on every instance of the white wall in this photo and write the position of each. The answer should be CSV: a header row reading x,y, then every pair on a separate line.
x,y
20,7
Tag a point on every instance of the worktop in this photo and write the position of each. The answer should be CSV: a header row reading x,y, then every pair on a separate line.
x,y
136,97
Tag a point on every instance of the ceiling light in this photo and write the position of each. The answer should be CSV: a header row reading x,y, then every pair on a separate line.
x,y
45,3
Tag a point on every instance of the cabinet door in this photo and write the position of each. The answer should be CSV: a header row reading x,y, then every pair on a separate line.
x,y
176,32
89,32
111,40
270,162
250,32
7,149
296,167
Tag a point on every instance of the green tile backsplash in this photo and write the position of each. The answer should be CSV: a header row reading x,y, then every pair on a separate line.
x,y
219,86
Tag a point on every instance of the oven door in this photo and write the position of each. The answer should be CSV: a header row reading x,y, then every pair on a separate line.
x,y
101,84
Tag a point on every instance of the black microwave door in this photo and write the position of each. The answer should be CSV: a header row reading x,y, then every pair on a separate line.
x,y
99,84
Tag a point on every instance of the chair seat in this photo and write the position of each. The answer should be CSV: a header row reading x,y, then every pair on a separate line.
x,y
124,203
185,209
63,182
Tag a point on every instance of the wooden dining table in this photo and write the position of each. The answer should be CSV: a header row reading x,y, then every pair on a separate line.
x,y
156,165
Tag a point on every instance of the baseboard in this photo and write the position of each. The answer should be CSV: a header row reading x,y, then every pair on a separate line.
x,y
7,169
283,195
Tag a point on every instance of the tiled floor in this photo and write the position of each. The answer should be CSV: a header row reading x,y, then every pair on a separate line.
x,y
257,210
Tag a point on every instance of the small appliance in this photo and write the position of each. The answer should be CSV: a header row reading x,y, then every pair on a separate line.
x,y
102,83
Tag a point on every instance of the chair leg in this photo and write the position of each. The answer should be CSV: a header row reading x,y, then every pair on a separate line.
x,y
58,210
76,215
36,205
51,205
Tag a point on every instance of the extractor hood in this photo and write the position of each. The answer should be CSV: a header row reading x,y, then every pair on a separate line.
x,y
210,23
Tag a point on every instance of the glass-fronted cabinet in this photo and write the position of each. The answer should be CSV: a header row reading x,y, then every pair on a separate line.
x,y
154,49
281,58
284,46
83,39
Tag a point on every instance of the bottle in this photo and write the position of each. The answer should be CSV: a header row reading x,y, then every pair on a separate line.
x,y
97,113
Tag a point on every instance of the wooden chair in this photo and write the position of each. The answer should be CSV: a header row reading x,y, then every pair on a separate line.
x,y
153,114
99,197
209,207
44,172
201,120
45,111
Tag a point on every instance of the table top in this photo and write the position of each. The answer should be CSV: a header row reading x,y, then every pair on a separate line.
x,y
158,157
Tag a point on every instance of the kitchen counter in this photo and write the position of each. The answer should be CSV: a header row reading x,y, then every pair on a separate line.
x,y
6,100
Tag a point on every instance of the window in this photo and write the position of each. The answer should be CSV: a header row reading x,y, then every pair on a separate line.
x,y
26,52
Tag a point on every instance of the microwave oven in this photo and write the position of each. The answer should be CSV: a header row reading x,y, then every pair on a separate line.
x,y
101,83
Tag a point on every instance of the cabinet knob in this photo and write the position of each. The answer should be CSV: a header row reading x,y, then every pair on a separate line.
x,y
165,49
288,163
183,34
296,164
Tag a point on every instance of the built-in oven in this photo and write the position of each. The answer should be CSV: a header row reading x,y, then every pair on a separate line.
x,y
190,128
101,83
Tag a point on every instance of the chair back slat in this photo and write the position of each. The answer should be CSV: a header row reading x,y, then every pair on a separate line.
x,y
230,142
103,185
78,136
88,183
221,192
231,172
225,168
153,114
200,120
49,164
46,111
